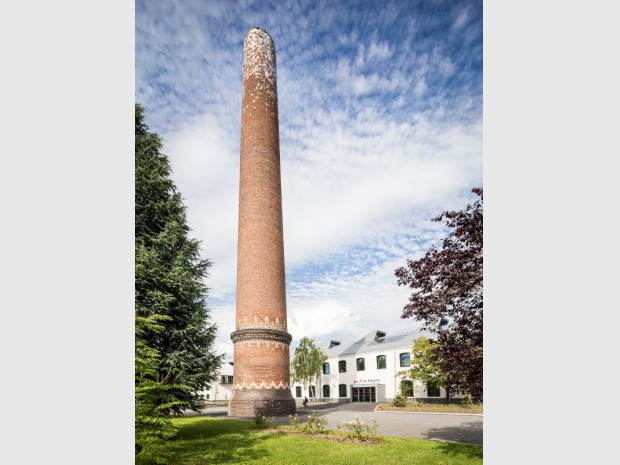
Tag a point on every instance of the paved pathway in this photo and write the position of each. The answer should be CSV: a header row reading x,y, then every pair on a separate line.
x,y
443,427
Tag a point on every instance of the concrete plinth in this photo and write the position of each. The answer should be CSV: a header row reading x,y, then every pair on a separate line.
x,y
269,402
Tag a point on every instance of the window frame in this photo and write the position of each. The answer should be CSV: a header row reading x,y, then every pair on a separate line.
x,y
383,358
357,364
400,357
326,368
342,366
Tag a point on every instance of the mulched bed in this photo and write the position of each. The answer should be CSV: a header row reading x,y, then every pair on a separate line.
x,y
327,437
429,408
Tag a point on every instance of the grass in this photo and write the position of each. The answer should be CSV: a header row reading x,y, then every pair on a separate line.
x,y
202,441
432,408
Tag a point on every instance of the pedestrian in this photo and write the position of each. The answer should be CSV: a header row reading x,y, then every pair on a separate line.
x,y
305,402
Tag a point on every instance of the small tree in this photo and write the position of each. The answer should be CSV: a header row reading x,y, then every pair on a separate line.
x,y
307,363
424,365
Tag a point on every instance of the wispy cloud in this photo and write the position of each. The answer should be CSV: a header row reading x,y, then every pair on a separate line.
x,y
380,126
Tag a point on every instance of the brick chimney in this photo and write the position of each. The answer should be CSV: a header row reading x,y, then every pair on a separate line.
x,y
261,341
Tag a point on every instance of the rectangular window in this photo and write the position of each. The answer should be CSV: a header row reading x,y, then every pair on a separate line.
x,y
381,363
360,364
226,379
326,368
404,359
342,366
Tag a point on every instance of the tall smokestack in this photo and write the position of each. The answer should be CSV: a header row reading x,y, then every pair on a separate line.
x,y
261,341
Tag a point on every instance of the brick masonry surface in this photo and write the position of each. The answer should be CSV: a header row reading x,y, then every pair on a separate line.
x,y
261,365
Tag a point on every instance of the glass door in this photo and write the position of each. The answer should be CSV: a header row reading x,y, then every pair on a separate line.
x,y
365,394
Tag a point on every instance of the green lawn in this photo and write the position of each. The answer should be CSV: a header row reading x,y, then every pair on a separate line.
x,y
205,441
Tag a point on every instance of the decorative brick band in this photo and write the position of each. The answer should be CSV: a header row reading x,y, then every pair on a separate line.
x,y
264,322
265,334
262,385
259,344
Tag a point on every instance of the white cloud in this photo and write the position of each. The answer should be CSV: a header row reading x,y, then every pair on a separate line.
x,y
371,149
461,19
379,51
354,181
205,164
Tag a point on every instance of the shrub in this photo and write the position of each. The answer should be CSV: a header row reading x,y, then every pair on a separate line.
x,y
294,421
315,423
262,421
399,400
359,429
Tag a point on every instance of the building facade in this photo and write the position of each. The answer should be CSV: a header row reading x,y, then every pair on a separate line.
x,y
223,389
366,370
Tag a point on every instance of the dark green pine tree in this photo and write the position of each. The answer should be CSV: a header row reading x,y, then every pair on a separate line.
x,y
169,283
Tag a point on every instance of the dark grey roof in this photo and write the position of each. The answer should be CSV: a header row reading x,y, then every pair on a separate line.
x,y
374,341
329,344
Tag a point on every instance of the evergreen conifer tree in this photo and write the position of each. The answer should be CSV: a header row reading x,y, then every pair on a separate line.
x,y
151,423
169,290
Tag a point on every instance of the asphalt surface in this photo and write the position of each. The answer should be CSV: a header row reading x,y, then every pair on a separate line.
x,y
440,427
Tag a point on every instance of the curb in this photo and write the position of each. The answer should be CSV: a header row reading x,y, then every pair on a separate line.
x,y
429,413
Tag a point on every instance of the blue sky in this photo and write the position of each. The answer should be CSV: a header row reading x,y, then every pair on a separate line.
x,y
380,107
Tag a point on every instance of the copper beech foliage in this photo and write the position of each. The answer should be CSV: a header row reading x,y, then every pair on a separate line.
x,y
446,283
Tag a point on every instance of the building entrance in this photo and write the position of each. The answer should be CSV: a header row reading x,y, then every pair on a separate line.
x,y
363,394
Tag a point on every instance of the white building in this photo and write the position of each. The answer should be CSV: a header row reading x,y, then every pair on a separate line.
x,y
367,370
363,371
223,389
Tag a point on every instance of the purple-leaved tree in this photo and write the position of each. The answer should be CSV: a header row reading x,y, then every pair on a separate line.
x,y
446,284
